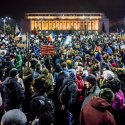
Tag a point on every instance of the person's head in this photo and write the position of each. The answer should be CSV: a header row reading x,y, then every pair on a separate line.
x,y
57,68
44,71
63,65
38,66
79,71
13,72
33,55
90,81
72,73
108,75
14,117
27,71
107,94
38,83
46,118
50,68
68,62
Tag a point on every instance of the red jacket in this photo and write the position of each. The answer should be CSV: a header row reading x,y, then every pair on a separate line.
x,y
95,112
80,85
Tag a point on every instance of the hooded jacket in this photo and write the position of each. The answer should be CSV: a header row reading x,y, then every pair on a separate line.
x,y
94,91
95,112
80,85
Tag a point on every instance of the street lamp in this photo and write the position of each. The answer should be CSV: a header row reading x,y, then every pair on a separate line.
x,y
8,24
4,23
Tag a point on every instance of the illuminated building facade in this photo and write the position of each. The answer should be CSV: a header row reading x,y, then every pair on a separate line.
x,y
67,21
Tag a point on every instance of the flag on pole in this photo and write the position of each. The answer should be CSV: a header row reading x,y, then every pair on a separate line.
x,y
51,37
17,31
67,40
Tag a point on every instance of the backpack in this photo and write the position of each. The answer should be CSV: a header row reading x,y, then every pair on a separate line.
x,y
41,104
64,95
119,100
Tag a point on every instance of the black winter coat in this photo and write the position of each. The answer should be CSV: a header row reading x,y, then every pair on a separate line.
x,y
13,94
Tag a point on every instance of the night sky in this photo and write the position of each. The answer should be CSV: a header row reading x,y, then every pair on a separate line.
x,y
113,9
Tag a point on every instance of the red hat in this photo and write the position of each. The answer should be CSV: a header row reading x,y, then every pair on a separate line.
x,y
114,64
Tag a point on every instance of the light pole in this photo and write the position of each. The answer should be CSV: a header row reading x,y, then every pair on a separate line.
x,y
8,25
4,25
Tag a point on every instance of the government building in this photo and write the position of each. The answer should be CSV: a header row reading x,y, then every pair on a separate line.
x,y
67,21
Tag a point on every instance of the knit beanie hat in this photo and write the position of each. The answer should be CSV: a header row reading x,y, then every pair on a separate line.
x,y
106,94
14,117
91,79
13,72
114,64
45,71
76,63
68,62
108,75
72,73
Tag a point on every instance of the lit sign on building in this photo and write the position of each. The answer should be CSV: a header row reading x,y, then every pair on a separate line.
x,y
67,21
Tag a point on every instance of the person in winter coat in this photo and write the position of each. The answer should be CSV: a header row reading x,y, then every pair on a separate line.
x,y
33,61
110,81
79,82
37,105
13,94
27,79
49,83
92,88
69,100
60,115
96,111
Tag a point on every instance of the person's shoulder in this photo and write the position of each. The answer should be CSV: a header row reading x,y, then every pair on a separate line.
x,y
109,118
97,90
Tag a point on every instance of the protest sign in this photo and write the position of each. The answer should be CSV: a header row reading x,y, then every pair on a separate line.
x,y
48,50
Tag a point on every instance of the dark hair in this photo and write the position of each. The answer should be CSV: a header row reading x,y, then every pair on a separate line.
x,y
91,79
63,65
57,68
49,67
13,72
39,83
46,118
37,66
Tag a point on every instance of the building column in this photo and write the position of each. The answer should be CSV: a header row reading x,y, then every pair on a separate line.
x,y
91,25
34,23
59,25
66,24
41,24
48,24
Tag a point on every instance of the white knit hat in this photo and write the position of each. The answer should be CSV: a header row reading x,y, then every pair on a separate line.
x,y
108,75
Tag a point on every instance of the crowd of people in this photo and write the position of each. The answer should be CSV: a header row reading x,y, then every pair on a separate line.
x,y
83,83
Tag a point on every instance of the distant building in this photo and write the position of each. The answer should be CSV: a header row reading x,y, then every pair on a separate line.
x,y
67,21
